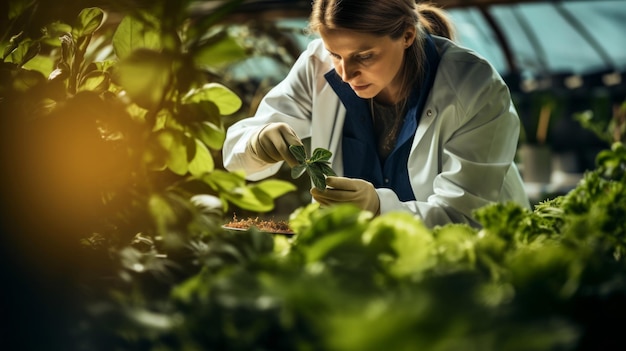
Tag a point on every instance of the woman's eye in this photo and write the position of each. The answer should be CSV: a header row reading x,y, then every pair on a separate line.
x,y
364,57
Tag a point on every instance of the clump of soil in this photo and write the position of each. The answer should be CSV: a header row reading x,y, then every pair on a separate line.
x,y
266,225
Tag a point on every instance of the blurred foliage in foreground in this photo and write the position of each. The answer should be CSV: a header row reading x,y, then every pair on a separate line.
x,y
548,279
111,127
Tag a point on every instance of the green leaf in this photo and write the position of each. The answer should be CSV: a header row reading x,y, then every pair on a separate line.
x,y
161,211
145,76
174,144
226,100
210,134
96,81
297,171
133,34
298,152
320,155
203,111
259,197
219,52
225,181
317,176
275,188
252,199
317,166
89,20
24,52
326,169
40,63
24,80
202,161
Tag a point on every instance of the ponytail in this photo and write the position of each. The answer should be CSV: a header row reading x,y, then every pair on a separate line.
x,y
435,20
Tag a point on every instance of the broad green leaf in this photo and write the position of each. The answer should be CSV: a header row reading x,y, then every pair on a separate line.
x,y
226,100
25,79
225,181
297,171
210,134
89,20
217,54
250,199
275,188
298,152
174,143
24,52
202,162
317,176
204,111
161,211
40,63
57,28
232,188
320,155
133,34
145,76
326,169
96,81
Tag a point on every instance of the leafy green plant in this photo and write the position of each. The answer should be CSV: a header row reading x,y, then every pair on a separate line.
x,y
317,166
112,122
608,128
550,278
146,92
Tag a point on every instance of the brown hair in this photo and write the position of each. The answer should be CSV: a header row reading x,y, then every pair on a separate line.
x,y
386,18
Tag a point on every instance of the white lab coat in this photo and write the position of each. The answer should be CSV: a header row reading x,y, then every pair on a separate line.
x,y
461,157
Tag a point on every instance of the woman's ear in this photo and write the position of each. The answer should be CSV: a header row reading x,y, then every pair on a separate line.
x,y
409,36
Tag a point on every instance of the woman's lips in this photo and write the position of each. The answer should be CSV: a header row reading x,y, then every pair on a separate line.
x,y
360,87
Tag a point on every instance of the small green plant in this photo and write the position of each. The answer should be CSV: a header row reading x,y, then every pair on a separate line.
x,y
317,166
606,127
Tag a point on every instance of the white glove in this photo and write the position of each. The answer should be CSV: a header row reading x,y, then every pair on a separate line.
x,y
347,190
271,143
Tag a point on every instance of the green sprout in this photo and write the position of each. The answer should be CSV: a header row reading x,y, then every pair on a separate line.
x,y
317,166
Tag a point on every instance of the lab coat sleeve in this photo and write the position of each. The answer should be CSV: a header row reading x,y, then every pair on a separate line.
x,y
289,101
476,143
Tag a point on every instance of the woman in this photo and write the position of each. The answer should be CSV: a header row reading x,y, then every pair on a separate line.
x,y
415,122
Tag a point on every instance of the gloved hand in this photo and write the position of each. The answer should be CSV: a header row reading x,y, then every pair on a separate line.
x,y
347,190
271,143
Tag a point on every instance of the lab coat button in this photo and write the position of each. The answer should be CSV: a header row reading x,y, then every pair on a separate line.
x,y
429,113
386,180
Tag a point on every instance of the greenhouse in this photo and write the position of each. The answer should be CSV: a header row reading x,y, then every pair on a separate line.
x,y
127,224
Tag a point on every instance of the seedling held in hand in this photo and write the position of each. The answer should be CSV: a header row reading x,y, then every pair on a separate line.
x,y
317,166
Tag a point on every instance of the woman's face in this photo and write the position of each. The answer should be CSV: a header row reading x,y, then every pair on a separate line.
x,y
369,63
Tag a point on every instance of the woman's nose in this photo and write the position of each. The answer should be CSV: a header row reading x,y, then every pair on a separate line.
x,y
347,71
